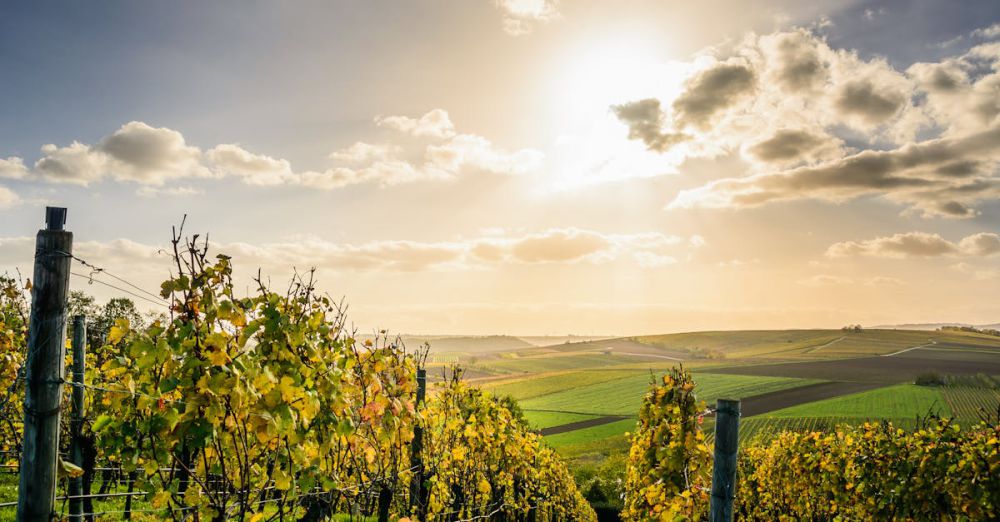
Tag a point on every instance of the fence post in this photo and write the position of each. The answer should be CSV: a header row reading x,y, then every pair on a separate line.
x,y
76,423
727,440
45,367
416,452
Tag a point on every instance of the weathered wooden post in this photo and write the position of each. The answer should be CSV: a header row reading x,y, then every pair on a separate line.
x,y
416,452
45,367
76,423
727,440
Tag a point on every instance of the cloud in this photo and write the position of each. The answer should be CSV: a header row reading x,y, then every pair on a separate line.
x,y
979,274
520,16
384,173
711,91
783,80
788,103
916,174
797,64
13,168
8,198
361,152
77,164
139,152
155,192
136,152
869,102
434,124
551,246
885,281
151,156
468,150
254,169
919,244
795,146
645,120
992,31
825,280
448,156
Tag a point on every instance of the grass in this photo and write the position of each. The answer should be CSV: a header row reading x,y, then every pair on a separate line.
x,y
595,434
971,404
902,401
624,396
546,419
535,386
556,362
758,430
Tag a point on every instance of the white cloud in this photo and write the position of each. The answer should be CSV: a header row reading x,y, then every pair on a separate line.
x,y
136,152
552,246
434,124
468,150
8,198
825,280
254,169
992,31
151,156
361,152
13,168
520,16
155,192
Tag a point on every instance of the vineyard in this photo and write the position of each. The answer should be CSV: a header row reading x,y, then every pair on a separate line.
x,y
265,408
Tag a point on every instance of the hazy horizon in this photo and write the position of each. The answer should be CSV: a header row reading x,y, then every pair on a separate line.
x,y
525,166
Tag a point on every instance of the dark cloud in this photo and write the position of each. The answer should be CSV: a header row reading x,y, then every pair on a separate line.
x,y
711,91
910,244
960,169
645,120
148,148
798,65
906,173
864,99
919,244
791,144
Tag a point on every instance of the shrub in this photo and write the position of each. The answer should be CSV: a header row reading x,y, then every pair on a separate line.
x,y
668,467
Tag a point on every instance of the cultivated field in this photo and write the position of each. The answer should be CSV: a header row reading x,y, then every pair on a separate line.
x,y
584,395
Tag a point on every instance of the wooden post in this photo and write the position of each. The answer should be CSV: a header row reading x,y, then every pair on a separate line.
x,y
416,453
45,367
76,424
727,440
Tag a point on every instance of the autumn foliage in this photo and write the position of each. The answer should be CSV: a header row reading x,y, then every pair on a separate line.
x,y
669,464
940,471
264,407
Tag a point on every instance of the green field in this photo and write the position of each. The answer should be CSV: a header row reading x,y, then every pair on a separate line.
x,y
535,386
547,419
571,382
623,396
596,433
903,401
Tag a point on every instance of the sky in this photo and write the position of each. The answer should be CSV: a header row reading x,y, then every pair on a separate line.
x,y
523,166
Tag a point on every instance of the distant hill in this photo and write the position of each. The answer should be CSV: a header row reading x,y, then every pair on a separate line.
x,y
549,340
471,344
933,326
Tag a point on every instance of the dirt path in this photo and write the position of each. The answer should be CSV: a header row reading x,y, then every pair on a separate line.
x,y
910,348
824,345
573,426
780,399
649,355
